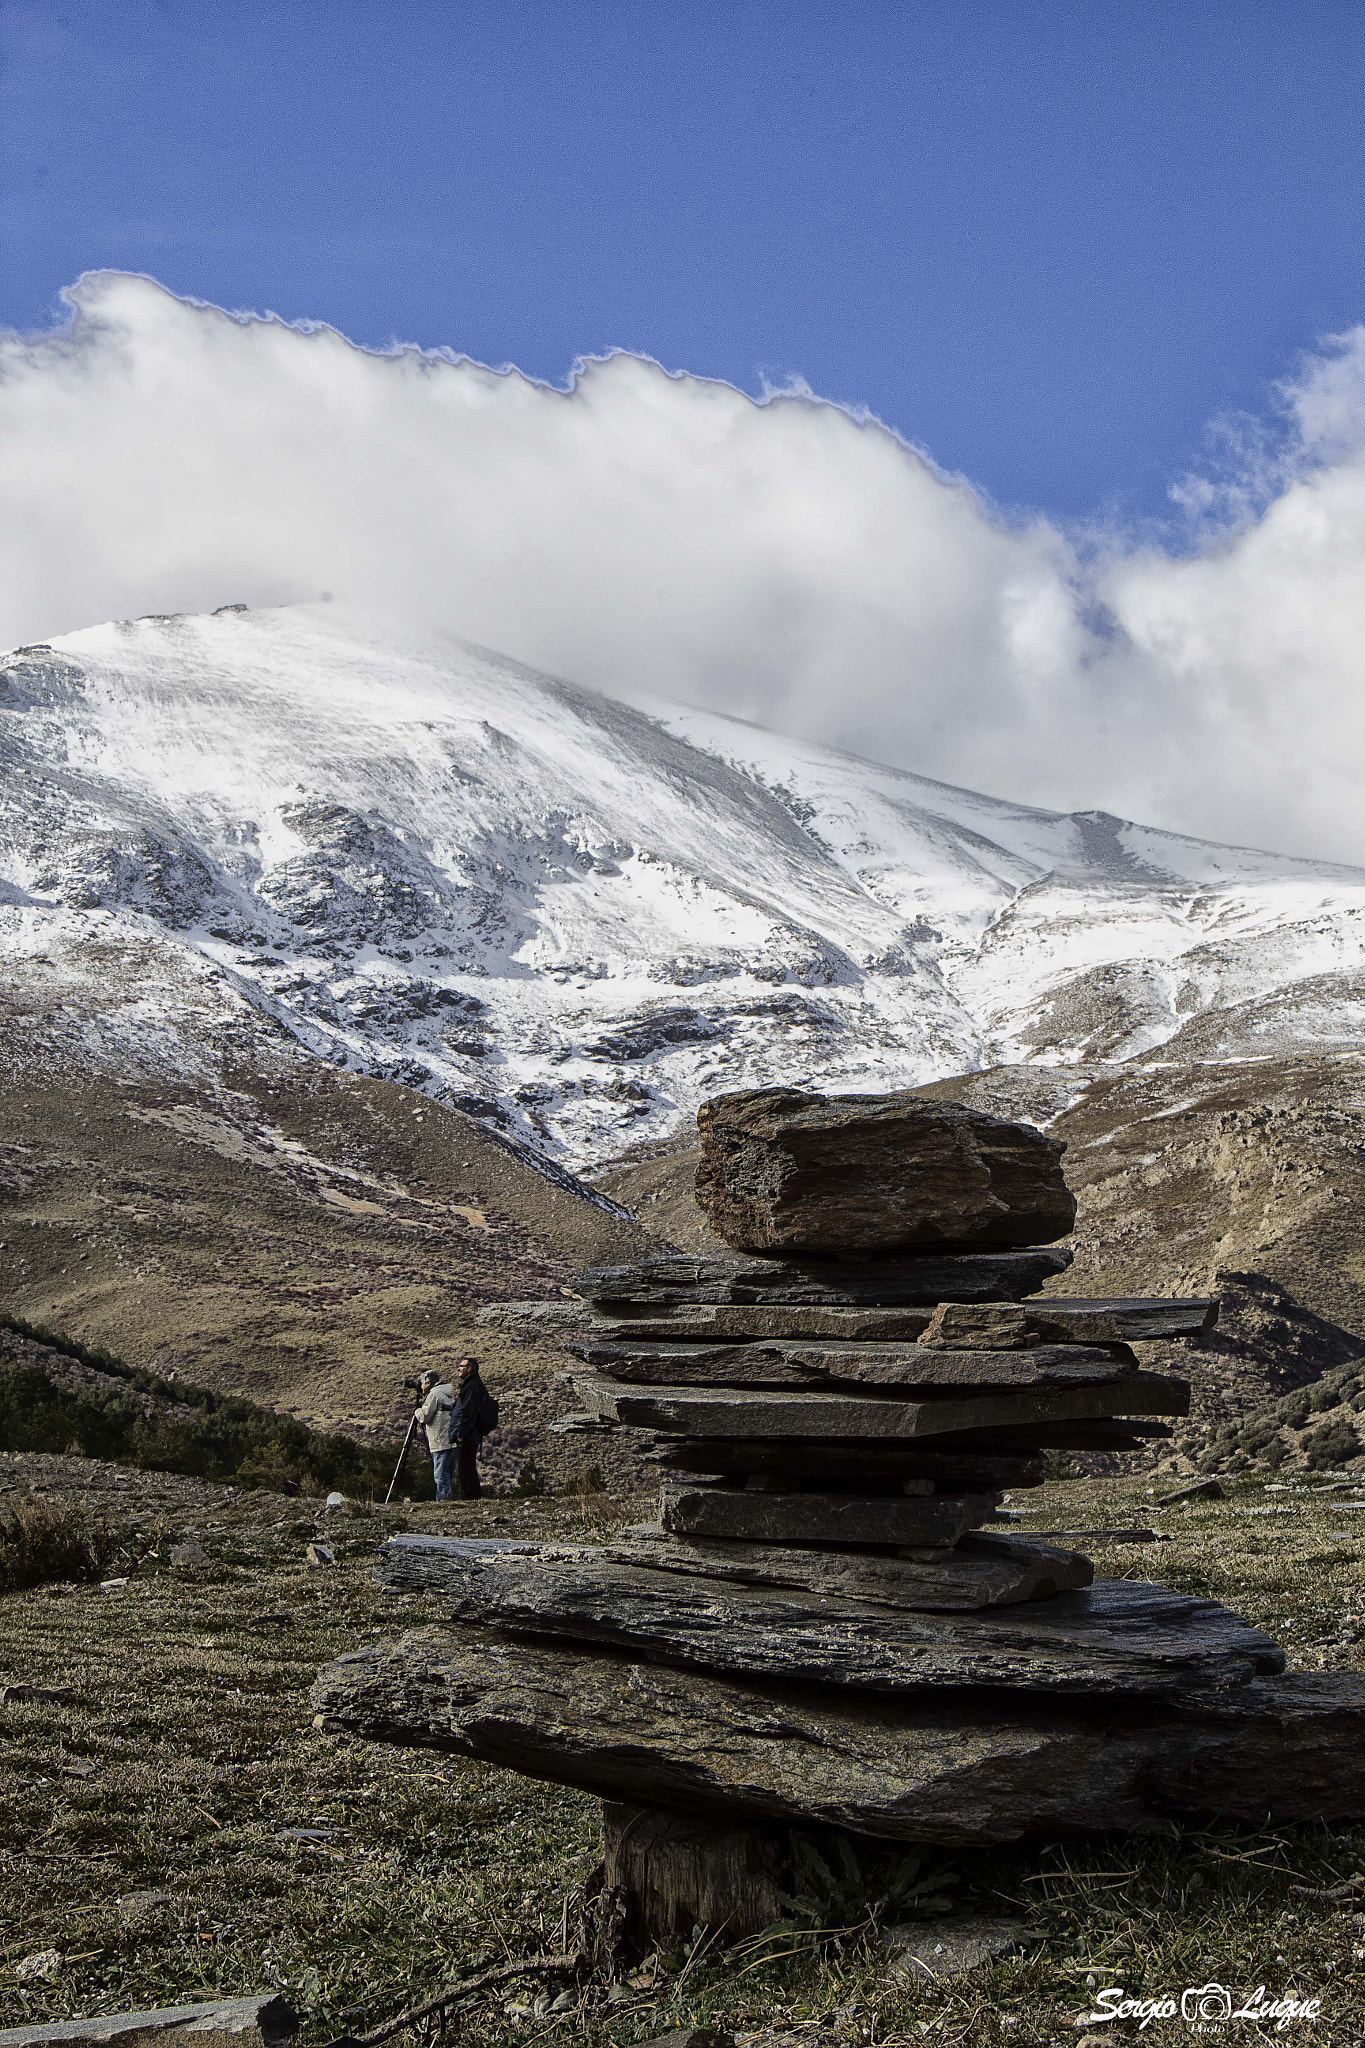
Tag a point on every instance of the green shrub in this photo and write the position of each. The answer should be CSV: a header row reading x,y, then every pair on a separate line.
x,y
845,1888
205,1435
42,1541
1257,1434
1331,1444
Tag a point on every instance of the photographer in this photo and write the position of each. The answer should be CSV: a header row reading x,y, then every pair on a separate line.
x,y
437,1417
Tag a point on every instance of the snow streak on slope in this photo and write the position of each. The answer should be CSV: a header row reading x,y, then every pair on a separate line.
x,y
224,835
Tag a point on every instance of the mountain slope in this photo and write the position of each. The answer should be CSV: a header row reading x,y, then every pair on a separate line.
x,y
301,1236
232,840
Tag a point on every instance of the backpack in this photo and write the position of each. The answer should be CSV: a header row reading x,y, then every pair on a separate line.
x,y
488,1414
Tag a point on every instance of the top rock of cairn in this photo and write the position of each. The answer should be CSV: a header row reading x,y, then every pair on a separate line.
x,y
785,1173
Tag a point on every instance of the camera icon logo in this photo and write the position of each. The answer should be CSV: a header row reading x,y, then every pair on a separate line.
x,y
1206,2002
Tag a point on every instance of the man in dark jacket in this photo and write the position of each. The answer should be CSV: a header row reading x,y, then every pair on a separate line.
x,y
471,1421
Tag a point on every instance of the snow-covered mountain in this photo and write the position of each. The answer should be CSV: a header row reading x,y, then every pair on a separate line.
x,y
225,837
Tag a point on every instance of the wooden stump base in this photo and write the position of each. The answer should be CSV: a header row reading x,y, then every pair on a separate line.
x,y
677,1871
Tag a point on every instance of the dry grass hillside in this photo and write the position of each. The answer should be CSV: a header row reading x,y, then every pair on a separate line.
x,y
307,1239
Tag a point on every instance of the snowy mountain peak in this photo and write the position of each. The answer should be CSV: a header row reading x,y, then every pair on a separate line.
x,y
577,917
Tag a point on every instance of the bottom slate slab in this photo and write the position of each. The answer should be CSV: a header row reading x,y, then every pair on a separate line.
x,y
957,1770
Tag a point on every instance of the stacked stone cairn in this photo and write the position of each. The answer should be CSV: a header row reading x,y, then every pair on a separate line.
x,y
830,1622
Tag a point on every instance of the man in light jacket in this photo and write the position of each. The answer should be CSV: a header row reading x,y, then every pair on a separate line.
x,y
437,1417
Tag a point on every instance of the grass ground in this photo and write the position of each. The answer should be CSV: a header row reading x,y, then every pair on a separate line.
x,y
187,1753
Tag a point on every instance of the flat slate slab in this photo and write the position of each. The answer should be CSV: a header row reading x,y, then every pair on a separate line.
x,y
926,1278
958,1769
786,1170
975,1459
420,1564
932,1521
981,1571
844,1464
719,1323
1131,1433
928,1950
1119,1637
257,2021
1067,1319
840,1362
854,1464
711,1411
703,1322
994,1570
999,1325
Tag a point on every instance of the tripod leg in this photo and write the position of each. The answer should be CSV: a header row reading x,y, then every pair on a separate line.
x,y
402,1460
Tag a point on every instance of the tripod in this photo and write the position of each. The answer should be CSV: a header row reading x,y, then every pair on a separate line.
x,y
402,1457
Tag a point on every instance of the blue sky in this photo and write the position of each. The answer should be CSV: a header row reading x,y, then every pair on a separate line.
x,y
1047,241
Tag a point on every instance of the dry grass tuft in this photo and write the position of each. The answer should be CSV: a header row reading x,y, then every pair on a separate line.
x,y
42,1541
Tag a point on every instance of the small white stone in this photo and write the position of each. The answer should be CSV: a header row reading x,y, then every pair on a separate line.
x,y
47,1962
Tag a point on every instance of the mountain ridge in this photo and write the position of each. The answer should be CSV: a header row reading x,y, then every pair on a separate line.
x,y
573,917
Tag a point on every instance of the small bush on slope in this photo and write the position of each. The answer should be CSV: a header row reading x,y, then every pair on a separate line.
x,y
115,1411
43,1540
1290,1430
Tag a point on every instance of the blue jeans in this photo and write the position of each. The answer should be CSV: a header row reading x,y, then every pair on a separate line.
x,y
443,1466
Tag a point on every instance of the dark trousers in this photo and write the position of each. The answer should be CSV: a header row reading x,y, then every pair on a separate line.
x,y
468,1470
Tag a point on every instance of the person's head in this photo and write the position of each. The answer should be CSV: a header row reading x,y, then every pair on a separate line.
x,y
428,1381
468,1367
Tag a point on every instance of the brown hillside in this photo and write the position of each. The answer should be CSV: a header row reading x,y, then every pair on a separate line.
x,y
308,1240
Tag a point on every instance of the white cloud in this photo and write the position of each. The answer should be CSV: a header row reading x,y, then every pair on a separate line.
x,y
647,532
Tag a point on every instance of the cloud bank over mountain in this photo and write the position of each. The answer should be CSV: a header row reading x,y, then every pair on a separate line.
x,y
653,533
